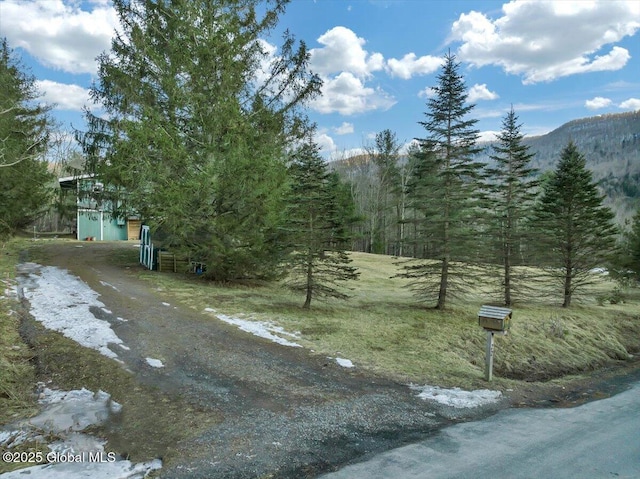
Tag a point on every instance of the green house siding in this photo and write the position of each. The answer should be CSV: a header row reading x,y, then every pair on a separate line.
x,y
100,226
94,218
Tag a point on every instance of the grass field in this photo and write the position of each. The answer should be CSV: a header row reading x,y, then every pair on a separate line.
x,y
383,328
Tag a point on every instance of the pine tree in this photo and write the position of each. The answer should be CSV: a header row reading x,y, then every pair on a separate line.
x,y
576,231
25,128
512,192
318,218
625,265
200,119
634,246
445,189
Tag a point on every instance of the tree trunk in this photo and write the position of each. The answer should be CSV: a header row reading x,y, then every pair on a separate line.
x,y
567,289
444,278
507,270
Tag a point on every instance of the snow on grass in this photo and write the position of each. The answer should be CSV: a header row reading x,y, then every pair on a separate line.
x,y
62,302
165,304
457,397
73,410
154,363
122,469
345,363
73,455
262,329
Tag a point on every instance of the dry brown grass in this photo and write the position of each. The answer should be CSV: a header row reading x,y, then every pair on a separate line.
x,y
16,373
385,329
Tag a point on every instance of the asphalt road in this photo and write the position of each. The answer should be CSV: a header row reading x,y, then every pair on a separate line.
x,y
600,439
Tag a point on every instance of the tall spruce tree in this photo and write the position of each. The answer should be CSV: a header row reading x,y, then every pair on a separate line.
x,y
200,116
633,245
445,189
512,194
318,218
24,137
626,263
576,231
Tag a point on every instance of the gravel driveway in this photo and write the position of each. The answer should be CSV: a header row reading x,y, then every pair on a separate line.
x,y
279,411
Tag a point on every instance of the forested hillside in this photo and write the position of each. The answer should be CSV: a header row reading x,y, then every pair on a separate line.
x,y
611,146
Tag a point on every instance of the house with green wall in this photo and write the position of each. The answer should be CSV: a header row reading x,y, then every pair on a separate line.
x,y
95,216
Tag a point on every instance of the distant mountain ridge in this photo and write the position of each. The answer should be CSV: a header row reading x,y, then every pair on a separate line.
x,y
610,144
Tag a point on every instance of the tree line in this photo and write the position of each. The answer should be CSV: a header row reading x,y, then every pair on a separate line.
x,y
468,223
205,137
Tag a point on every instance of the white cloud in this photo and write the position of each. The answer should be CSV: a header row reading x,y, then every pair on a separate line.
x,y
346,94
342,51
59,34
543,41
406,147
345,68
631,104
597,103
344,129
428,92
324,142
481,92
346,153
63,96
409,65
488,135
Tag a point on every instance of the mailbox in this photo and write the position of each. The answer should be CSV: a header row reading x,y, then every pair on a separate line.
x,y
494,318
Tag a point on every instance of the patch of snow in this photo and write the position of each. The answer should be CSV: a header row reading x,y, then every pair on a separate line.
x,y
166,304
108,311
126,348
62,302
122,319
599,271
104,283
345,363
73,456
73,410
262,329
119,469
154,363
210,310
457,397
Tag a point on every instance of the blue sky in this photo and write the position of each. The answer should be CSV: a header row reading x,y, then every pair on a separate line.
x,y
554,61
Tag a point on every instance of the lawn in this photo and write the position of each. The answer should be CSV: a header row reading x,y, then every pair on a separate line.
x,y
384,328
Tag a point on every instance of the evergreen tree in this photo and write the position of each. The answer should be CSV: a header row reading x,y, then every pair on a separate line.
x,y
24,136
200,119
445,189
318,218
633,246
626,263
576,231
512,192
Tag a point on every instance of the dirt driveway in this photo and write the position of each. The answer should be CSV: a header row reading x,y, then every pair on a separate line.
x,y
226,404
